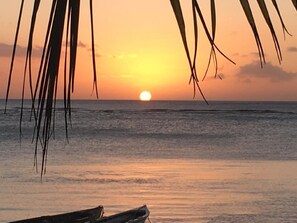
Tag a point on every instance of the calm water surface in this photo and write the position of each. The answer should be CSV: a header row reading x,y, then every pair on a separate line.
x,y
227,162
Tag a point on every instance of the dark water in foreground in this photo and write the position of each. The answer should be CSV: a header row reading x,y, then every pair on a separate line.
x,y
189,162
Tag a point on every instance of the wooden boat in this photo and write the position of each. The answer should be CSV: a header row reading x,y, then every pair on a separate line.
x,y
83,216
137,215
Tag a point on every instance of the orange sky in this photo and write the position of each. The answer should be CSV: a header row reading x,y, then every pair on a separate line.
x,y
139,48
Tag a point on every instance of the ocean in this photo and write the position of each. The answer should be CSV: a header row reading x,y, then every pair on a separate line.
x,y
188,161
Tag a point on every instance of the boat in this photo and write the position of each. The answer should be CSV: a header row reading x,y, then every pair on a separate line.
x,y
83,216
137,215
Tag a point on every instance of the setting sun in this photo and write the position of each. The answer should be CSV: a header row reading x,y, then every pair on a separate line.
x,y
145,96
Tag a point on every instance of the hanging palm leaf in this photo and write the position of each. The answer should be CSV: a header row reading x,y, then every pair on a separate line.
x,y
295,3
212,54
249,15
13,51
211,38
280,18
266,16
28,62
45,91
180,20
95,88
182,28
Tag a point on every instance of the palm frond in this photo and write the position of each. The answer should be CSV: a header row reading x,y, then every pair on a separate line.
x,y
198,16
249,15
280,18
13,52
295,3
266,16
206,31
182,28
196,36
49,79
95,85
212,54
211,35
213,18
28,62
44,93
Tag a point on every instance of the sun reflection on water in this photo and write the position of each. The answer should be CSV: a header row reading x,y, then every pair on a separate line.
x,y
186,190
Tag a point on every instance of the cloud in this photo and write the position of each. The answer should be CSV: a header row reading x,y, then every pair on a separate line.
x,y
81,44
268,72
96,53
254,54
219,76
124,56
6,50
292,49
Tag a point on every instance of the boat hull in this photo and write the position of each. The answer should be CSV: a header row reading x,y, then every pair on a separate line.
x,y
83,216
137,215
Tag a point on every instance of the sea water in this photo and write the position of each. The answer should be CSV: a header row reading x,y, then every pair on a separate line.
x,y
188,161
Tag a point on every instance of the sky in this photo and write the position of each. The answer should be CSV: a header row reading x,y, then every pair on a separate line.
x,y
138,47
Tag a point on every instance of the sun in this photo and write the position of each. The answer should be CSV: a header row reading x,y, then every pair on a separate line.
x,y
145,96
